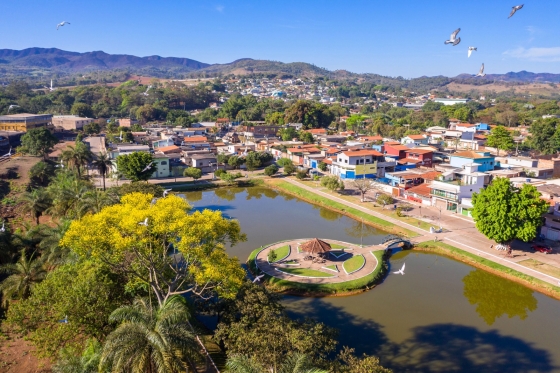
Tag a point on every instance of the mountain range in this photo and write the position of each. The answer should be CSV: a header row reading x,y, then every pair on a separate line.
x,y
57,60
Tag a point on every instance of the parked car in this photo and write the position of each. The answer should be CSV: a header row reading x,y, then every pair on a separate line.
x,y
541,249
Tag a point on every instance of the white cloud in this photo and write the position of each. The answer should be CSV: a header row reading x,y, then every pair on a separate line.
x,y
551,54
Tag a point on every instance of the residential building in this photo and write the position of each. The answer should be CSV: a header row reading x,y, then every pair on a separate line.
x,y
70,122
359,164
127,122
448,192
167,150
551,227
415,139
395,150
96,144
261,131
195,142
422,156
203,160
464,127
163,167
485,160
452,101
24,122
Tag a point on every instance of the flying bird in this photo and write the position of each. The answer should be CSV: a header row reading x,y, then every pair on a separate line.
x,y
481,71
3,229
144,223
8,154
453,39
258,278
148,167
11,107
471,49
166,191
401,271
515,9
146,93
62,24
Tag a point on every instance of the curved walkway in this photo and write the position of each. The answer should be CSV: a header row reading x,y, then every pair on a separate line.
x,y
275,269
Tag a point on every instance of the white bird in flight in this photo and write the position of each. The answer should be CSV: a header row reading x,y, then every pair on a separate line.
x,y
471,49
453,39
146,93
165,192
481,71
144,223
8,154
258,278
11,107
400,271
62,24
148,167
515,9
3,229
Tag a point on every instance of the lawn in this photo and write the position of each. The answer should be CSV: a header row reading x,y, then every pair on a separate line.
x,y
336,246
541,267
354,263
314,198
332,267
306,272
281,253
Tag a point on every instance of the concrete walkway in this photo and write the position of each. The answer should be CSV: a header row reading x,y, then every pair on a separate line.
x,y
459,232
275,269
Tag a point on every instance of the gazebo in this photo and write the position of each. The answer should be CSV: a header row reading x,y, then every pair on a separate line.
x,y
315,247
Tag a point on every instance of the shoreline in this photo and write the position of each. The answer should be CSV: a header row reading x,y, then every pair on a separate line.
x,y
445,249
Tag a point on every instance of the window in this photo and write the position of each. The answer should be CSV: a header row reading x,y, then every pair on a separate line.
x,y
345,161
163,163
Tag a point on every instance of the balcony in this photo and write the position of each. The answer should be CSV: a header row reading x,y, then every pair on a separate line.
x,y
444,194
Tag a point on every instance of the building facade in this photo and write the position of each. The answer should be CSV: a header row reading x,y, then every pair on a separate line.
x,y
24,122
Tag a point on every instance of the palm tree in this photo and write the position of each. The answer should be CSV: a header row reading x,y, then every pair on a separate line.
x,y
95,200
24,275
51,250
150,339
297,363
77,156
103,164
36,202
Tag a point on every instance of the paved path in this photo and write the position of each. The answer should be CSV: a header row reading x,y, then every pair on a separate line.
x,y
275,269
459,232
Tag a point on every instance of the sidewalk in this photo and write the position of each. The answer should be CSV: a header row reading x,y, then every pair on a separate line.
x,y
460,233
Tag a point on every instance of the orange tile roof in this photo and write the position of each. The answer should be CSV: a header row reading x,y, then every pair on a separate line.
x,y
370,138
430,175
195,139
468,154
454,120
399,147
303,150
422,189
168,148
416,137
420,151
317,130
466,125
361,153
327,160
409,160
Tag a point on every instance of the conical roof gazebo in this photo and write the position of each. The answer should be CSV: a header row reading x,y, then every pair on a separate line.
x,y
315,246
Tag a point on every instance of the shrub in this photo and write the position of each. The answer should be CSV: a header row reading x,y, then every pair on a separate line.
x,y
289,169
322,166
301,174
384,199
332,183
270,170
195,173
219,172
282,162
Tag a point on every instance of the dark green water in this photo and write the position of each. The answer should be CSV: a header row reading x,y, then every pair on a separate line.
x,y
441,316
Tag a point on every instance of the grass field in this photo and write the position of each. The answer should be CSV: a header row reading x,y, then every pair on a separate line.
x,y
354,263
332,267
281,253
314,198
306,272
541,267
336,246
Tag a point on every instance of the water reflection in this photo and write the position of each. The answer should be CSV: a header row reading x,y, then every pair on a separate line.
x,y
359,230
457,348
495,296
328,214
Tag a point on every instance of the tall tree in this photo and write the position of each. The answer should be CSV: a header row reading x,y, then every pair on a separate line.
x,y
504,213
297,363
543,136
364,185
22,277
150,339
136,166
38,141
36,202
500,138
103,164
77,157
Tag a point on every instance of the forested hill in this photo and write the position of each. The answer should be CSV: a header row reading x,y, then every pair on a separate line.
x,y
40,63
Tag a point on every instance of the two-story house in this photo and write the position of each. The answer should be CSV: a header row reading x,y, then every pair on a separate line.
x,y
551,227
415,139
485,160
423,156
357,164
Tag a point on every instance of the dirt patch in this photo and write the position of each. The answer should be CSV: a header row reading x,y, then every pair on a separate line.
x,y
14,178
531,88
17,356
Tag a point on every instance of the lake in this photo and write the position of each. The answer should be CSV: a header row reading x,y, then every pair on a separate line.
x,y
441,316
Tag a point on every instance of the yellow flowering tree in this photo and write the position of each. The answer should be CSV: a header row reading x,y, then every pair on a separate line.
x,y
163,245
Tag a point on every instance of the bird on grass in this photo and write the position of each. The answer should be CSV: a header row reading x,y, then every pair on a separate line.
x,y
453,39
515,9
400,271
471,49
481,72
62,24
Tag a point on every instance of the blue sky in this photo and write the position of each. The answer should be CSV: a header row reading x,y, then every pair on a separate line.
x,y
386,37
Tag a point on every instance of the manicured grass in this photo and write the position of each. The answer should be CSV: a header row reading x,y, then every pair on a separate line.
x,y
465,256
314,198
332,267
281,253
306,272
336,246
354,263
541,267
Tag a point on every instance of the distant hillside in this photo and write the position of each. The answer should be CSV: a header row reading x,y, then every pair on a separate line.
x,y
26,64
56,59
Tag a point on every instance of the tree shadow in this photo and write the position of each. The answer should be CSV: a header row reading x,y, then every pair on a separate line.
x,y
457,348
365,335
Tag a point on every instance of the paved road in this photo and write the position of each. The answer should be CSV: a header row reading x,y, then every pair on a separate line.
x,y
459,232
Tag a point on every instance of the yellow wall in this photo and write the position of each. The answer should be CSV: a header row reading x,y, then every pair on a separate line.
x,y
366,169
